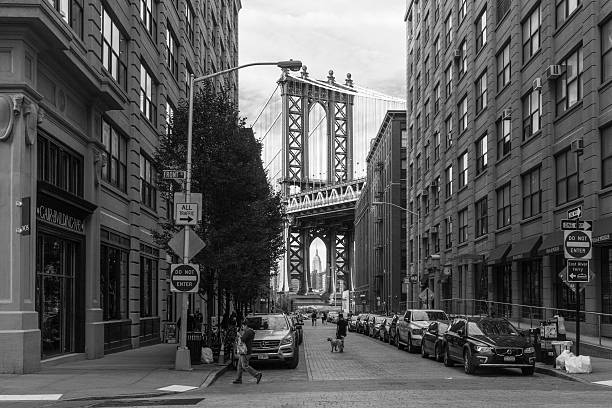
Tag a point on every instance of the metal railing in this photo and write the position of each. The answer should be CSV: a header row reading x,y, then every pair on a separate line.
x,y
528,314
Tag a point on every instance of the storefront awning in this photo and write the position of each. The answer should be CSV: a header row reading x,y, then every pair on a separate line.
x,y
602,231
468,257
499,253
525,248
552,243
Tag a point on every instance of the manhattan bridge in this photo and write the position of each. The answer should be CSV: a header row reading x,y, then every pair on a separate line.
x,y
315,136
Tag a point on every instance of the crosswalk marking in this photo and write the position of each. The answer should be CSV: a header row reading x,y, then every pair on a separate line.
x,y
31,397
607,382
177,388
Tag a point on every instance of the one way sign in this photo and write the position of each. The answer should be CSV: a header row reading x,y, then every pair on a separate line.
x,y
186,213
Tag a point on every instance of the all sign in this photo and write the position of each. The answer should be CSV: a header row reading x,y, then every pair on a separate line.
x,y
577,244
186,213
184,278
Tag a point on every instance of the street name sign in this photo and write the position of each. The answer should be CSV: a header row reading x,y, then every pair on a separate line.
x,y
575,212
186,213
577,271
174,174
184,278
577,244
576,225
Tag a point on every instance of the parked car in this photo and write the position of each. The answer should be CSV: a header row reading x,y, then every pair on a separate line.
x,y
361,322
433,343
391,328
298,325
276,339
365,324
410,328
375,323
488,342
332,317
352,323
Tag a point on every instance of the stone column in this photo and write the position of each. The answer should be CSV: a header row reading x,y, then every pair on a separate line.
x,y
19,332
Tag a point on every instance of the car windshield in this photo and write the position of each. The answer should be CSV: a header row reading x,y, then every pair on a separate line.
x,y
427,315
492,328
267,322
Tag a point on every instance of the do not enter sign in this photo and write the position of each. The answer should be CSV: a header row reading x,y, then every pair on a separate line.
x,y
184,278
577,244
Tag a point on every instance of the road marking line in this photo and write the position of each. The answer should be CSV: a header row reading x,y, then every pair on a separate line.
x,y
31,397
608,383
177,388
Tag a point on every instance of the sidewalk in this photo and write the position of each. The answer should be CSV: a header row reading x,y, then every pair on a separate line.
x,y
602,372
139,372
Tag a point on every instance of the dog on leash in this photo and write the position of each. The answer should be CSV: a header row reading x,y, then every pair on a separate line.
x,y
336,344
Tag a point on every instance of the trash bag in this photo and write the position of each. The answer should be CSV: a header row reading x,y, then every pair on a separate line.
x,y
578,365
207,355
561,360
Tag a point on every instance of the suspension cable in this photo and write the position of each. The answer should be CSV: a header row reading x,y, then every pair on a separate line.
x,y
265,106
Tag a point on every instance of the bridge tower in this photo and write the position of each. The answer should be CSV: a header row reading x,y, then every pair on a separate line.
x,y
331,219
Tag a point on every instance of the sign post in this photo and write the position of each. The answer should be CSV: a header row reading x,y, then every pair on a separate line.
x,y
577,246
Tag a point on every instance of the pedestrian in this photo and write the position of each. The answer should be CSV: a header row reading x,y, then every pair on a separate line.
x,y
198,319
341,330
314,318
245,344
323,318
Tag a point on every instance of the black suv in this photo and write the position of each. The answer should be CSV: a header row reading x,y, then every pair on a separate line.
x,y
488,342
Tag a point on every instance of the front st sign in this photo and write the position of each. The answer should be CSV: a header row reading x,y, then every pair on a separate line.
x,y
184,278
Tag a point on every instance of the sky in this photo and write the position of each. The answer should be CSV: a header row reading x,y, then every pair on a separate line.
x,y
363,37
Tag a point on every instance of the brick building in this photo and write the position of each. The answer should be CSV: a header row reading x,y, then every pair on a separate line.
x,y
509,126
86,87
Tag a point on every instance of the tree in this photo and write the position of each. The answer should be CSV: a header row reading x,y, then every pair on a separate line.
x,y
241,216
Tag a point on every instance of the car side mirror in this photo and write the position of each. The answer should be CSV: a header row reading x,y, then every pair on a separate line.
x,y
406,319
461,333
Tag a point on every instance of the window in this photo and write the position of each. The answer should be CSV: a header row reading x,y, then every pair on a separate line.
x,y
532,113
427,114
426,70
606,50
448,175
503,6
435,189
404,142
172,52
569,85
189,21
426,244
188,73
114,278
437,52
448,30
481,154
72,13
503,67
418,167
169,115
463,170
606,283
426,29
418,87
147,107
114,51
411,213
115,146
463,59
531,280
449,131
448,76
532,194
59,166
437,98
481,30
426,149
437,10
417,48
147,16
463,226
481,92
436,137
480,209
606,157
569,184
503,206
411,174
435,238
531,35
148,280
503,138
564,9
426,202
463,112
448,226
411,93
148,182
462,10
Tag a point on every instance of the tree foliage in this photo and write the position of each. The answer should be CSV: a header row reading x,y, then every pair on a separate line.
x,y
241,216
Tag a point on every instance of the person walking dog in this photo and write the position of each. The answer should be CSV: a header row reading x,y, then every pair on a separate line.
x,y
341,330
245,344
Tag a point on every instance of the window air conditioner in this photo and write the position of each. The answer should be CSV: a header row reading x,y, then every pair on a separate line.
x,y
457,54
577,145
553,71
537,84
507,114
434,230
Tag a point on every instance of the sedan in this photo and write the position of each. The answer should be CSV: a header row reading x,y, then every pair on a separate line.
x,y
488,342
375,323
352,323
432,343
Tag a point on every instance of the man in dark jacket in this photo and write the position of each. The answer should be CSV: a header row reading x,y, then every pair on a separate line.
x,y
341,330
247,336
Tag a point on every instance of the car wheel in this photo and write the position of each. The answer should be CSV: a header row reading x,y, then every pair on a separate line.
x,y
447,359
528,370
410,347
399,345
293,363
423,352
438,354
468,365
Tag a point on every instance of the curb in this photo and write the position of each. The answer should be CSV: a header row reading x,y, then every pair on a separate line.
x,y
560,374
212,377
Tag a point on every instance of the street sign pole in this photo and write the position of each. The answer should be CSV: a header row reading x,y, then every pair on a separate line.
x,y
577,319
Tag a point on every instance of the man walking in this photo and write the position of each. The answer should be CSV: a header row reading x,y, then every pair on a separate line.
x,y
341,330
313,316
244,351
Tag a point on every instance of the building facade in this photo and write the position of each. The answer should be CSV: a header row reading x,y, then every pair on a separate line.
x,y
380,229
509,127
86,88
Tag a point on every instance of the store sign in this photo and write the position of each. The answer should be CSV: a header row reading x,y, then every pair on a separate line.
x,y
53,216
601,238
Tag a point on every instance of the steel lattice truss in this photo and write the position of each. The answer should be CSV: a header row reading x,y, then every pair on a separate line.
x,y
326,198
341,254
341,138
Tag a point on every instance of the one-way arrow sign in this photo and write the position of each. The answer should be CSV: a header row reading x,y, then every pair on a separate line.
x,y
575,212
186,213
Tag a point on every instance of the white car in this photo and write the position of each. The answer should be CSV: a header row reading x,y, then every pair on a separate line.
x,y
411,326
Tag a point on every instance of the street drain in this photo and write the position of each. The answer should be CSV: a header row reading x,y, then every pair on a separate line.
x,y
148,403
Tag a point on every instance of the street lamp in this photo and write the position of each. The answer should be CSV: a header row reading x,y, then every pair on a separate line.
x,y
182,359
418,218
